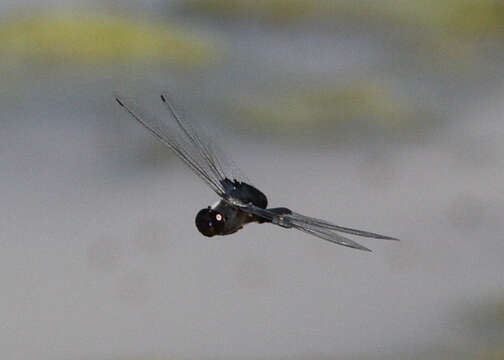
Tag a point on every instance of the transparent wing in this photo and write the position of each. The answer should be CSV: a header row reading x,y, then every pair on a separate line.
x,y
301,219
330,236
209,149
316,227
196,152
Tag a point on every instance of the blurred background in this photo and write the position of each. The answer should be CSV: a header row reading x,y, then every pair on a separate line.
x,y
383,115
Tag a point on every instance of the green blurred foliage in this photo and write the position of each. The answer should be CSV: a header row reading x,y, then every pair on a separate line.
x,y
375,105
448,30
456,16
88,38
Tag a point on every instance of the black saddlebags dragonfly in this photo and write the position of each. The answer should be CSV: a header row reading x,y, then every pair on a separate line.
x,y
240,203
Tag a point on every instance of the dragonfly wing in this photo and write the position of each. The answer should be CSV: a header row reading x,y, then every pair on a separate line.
x,y
295,217
265,214
217,160
331,237
184,140
312,226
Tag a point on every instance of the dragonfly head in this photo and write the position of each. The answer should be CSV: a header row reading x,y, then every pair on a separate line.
x,y
210,222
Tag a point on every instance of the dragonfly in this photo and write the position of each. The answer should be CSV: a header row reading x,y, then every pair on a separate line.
x,y
240,203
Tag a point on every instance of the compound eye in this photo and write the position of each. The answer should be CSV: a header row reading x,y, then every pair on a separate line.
x,y
205,222
218,217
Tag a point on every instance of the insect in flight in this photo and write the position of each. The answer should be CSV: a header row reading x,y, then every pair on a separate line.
x,y
240,203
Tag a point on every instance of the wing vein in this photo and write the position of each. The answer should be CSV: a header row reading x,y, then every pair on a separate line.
x,y
212,181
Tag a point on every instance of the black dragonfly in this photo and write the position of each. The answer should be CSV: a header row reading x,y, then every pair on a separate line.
x,y
240,203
